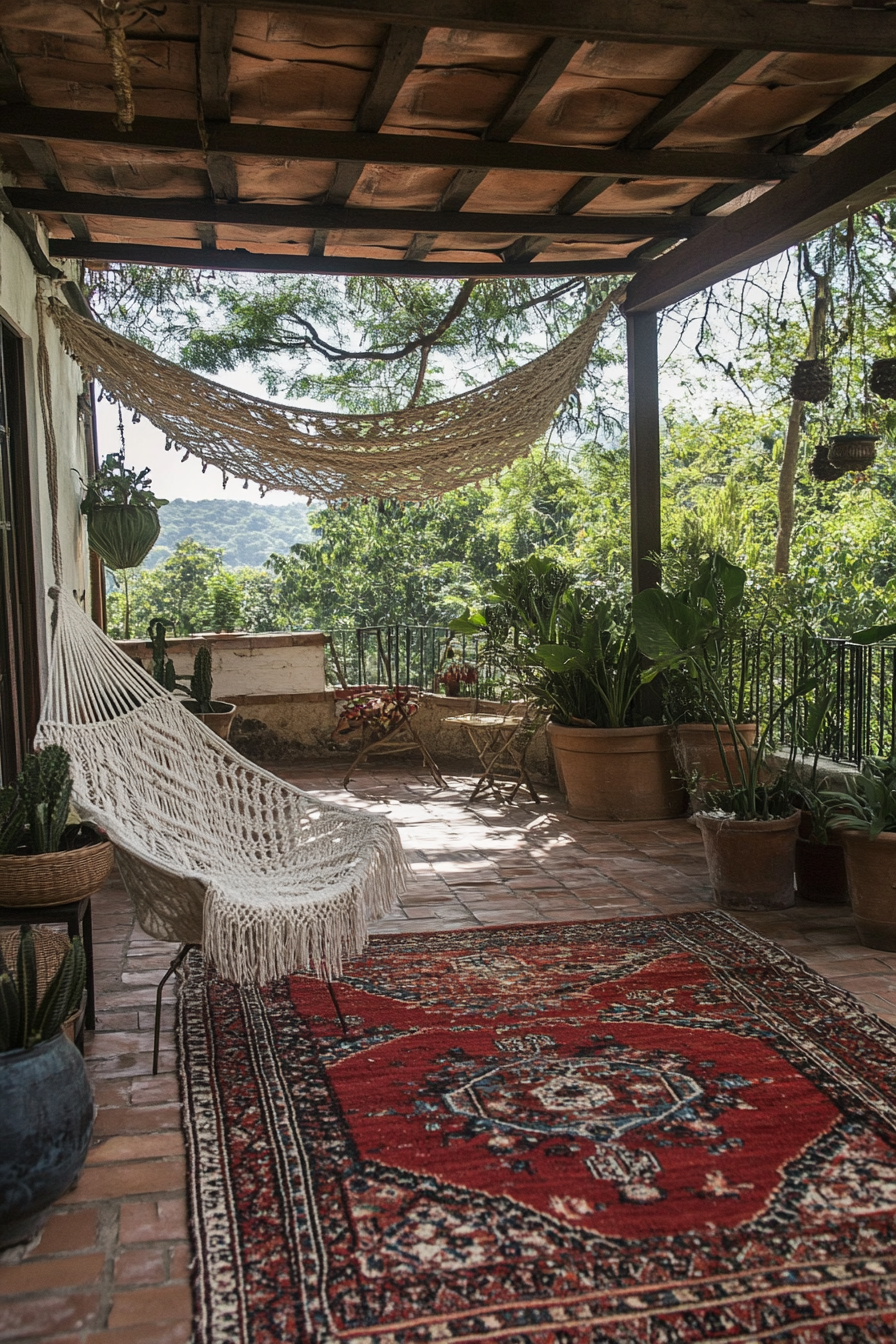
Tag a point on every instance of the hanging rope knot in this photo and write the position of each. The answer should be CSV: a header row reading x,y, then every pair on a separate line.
x,y
110,20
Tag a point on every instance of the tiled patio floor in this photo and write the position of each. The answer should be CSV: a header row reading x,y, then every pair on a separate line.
x,y
113,1262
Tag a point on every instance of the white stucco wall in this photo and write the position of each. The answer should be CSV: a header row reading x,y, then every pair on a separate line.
x,y
18,283
274,664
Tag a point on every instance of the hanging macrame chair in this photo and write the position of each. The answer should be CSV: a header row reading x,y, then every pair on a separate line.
x,y
413,454
212,849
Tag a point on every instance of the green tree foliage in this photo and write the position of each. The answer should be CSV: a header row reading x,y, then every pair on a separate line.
x,y
247,533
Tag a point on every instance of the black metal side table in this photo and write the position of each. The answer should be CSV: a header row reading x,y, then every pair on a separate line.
x,y
77,918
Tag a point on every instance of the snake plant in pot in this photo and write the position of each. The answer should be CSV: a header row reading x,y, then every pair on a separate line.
x,y
47,1114
571,649
749,826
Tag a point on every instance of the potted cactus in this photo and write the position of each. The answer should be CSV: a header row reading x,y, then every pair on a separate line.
x,y
47,857
47,1115
216,714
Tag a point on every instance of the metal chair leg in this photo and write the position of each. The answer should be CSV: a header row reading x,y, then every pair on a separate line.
x,y
187,947
336,1006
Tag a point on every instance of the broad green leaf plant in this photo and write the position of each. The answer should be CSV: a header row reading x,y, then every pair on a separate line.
x,y
685,632
562,643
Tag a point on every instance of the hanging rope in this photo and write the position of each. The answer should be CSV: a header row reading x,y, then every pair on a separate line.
x,y
416,453
51,447
109,17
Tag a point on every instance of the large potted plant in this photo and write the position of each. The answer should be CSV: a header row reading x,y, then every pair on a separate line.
x,y
749,826
46,1119
215,714
46,856
571,650
122,513
820,869
863,813
704,744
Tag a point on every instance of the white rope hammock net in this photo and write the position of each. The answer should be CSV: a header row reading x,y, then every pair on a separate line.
x,y
413,454
212,849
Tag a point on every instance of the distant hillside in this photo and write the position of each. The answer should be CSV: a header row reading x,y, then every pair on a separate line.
x,y
248,532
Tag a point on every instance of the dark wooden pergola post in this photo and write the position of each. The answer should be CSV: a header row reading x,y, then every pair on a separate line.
x,y
644,447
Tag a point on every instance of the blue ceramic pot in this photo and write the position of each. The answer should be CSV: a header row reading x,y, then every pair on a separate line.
x,y
46,1120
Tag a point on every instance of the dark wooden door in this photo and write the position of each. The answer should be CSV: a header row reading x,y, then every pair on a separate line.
x,y
19,668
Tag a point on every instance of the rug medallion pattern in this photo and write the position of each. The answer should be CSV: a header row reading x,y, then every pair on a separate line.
x,y
652,1131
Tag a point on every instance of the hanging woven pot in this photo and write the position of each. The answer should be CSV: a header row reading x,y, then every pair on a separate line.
x,y
852,452
123,534
820,469
883,378
812,380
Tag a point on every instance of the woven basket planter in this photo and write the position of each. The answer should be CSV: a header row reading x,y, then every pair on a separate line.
x,y
812,380
883,378
53,879
123,534
852,452
821,469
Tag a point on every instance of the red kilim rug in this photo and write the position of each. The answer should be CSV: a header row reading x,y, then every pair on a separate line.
x,y
653,1131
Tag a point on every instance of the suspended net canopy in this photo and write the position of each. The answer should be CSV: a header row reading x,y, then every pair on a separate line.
x,y
413,454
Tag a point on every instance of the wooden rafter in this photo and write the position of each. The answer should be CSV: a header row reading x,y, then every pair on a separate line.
x,y
40,154
735,24
852,177
238,260
540,75
201,211
714,73
287,142
397,58
217,24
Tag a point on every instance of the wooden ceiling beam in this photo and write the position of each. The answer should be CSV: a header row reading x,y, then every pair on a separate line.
x,y
200,210
238,260
286,142
397,58
851,178
217,24
694,23
538,78
715,73
39,153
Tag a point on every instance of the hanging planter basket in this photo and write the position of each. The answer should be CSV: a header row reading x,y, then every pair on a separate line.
x,y
821,469
812,380
852,452
883,379
123,534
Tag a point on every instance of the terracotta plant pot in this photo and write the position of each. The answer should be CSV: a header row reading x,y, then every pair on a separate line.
x,y
697,748
617,774
750,863
820,867
220,720
871,874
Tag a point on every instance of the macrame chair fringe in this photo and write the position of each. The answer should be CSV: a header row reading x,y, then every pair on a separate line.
x,y
413,454
211,848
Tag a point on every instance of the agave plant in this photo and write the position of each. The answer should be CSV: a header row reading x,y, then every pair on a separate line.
x,y
25,1021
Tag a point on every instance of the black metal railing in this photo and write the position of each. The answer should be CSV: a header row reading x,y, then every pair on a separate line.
x,y
409,655
760,674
